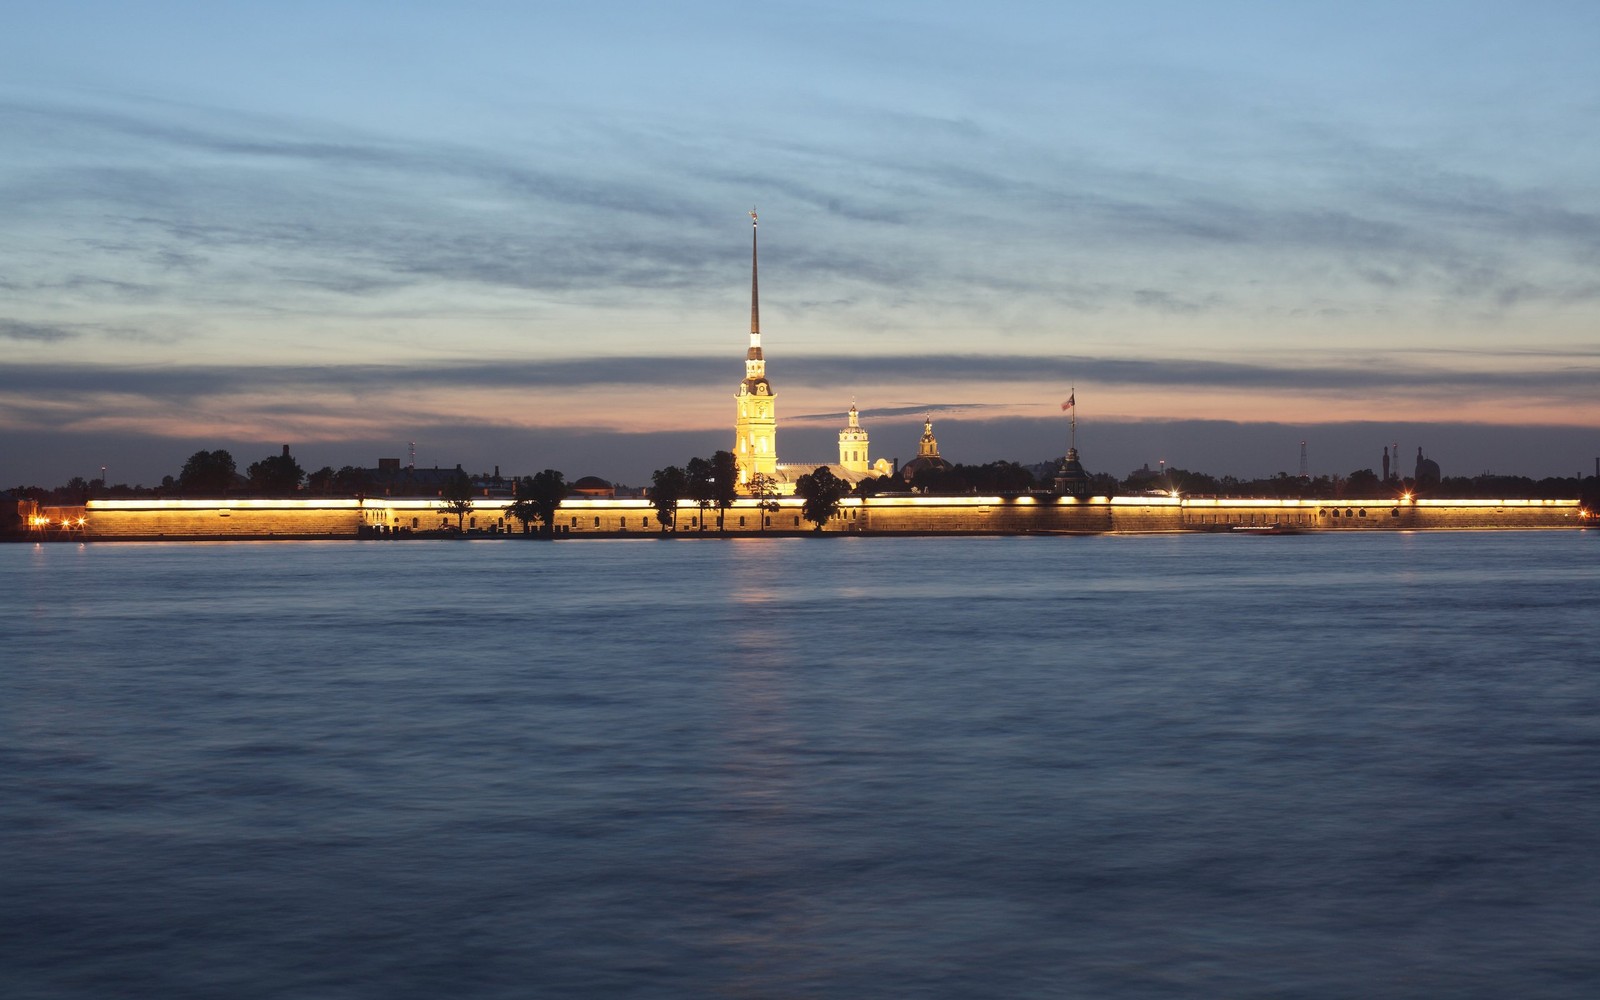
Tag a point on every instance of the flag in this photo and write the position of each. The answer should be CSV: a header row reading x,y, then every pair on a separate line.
x,y
1070,401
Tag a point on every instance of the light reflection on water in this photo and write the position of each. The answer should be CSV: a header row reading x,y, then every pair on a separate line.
x,y
1145,767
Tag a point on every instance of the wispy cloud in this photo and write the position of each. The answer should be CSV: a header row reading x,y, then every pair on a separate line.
x,y
11,329
1368,374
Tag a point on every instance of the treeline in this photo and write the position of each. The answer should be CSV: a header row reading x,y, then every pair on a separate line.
x,y
712,484
1362,484
205,474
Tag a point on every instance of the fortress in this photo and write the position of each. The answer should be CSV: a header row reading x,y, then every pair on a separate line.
x,y
884,515
768,504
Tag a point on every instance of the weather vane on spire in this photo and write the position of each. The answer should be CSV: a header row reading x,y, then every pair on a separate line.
x,y
753,222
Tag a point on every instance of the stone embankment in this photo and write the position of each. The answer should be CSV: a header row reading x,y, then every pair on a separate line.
x,y
902,515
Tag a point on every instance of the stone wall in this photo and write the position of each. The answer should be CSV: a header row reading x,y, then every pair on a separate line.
x,y
1220,513
191,519
183,519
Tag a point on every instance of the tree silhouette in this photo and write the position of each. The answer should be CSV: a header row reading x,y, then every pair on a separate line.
x,y
667,488
699,486
456,497
546,490
207,473
765,489
821,490
524,510
724,484
275,474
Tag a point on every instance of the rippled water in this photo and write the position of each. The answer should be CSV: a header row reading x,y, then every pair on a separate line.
x,y
1196,766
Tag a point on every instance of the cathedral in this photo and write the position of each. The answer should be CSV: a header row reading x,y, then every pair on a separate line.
x,y
755,424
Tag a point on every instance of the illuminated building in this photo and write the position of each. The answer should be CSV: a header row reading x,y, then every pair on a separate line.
x,y
755,429
853,444
927,454
755,426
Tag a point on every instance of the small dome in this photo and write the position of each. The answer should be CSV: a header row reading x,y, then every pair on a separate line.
x,y
909,471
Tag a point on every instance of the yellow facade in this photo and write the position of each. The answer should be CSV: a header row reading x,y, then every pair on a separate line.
x,y
755,423
853,444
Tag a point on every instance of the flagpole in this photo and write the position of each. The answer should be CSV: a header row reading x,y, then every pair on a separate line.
x,y
1074,398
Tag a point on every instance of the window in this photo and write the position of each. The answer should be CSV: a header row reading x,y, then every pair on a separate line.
x,y
597,521
414,523
741,520
797,522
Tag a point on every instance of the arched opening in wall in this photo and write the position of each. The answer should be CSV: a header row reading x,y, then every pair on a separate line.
x,y
1363,512
1394,511
741,520
414,523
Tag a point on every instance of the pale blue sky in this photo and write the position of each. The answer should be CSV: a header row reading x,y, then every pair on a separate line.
x,y
1262,213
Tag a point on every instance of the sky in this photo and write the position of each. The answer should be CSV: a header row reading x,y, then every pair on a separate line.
x,y
517,234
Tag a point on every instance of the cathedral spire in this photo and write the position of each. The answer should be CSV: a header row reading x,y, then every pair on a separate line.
x,y
755,298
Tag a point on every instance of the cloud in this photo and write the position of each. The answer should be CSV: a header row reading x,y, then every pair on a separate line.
x,y
1367,374
1217,447
362,216
11,329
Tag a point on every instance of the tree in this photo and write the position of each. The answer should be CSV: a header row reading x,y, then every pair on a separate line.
x,y
207,473
321,481
1363,483
700,487
352,481
456,497
724,484
667,488
821,490
765,489
275,474
525,510
546,491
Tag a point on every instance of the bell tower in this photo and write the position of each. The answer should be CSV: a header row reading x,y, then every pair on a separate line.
x,y
853,443
755,426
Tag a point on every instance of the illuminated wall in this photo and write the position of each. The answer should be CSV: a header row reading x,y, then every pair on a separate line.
x,y
185,519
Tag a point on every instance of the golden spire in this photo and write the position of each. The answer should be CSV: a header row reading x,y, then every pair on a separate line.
x,y
755,300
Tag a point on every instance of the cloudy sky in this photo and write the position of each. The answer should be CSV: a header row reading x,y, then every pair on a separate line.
x,y
516,234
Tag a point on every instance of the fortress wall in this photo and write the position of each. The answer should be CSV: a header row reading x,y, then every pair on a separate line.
x,y
221,519
1140,514
1208,513
995,515
111,519
1466,514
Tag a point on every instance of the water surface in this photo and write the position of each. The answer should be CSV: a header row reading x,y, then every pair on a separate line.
x,y
1173,766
